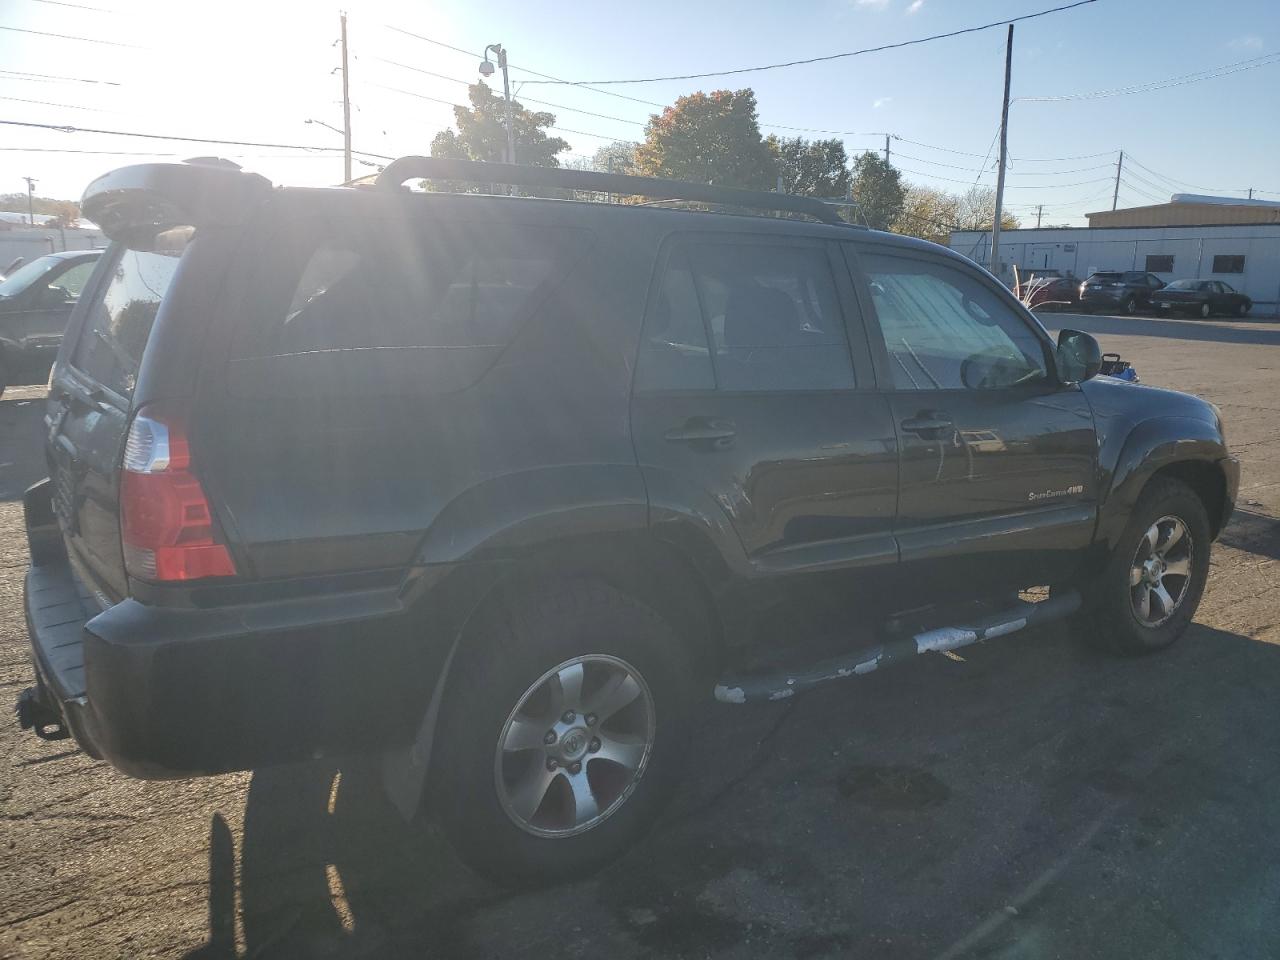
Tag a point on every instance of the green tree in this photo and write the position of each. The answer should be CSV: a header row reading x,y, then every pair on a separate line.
x,y
482,132
812,168
878,191
616,157
709,138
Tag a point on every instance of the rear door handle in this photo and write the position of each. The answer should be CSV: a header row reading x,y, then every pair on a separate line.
x,y
927,423
702,429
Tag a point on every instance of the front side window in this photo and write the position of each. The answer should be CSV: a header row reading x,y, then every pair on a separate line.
x,y
71,281
112,339
755,316
946,330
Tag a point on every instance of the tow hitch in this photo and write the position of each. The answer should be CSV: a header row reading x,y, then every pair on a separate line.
x,y
781,684
35,714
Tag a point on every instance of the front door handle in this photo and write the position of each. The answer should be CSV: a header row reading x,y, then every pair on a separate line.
x,y
927,422
702,430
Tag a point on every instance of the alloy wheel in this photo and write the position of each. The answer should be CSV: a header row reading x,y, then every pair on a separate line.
x,y
1161,571
575,746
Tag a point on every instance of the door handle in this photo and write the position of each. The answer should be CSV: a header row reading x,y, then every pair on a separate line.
x,y
702,429
927,422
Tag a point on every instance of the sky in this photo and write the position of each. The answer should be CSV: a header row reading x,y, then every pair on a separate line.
x,y
258,71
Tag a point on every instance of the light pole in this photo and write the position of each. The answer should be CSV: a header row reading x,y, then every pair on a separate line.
x,y
31,190
486,70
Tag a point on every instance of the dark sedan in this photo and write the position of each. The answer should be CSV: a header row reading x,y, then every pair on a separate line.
x,y
1203,298
35,303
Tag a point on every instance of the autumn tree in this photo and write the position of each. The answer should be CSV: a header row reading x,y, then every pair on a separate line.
x,y
482,132
709,138
878,191
976,210
812,168
927,213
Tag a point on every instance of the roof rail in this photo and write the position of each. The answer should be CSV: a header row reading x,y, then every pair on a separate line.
x,y
472,171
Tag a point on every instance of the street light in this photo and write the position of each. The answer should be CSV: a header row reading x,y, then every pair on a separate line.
x,y
486,70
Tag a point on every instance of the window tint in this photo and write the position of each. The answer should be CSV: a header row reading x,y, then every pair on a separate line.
x,y
945,330
450,286
674,354
768,316
72,281
111,342
1228,263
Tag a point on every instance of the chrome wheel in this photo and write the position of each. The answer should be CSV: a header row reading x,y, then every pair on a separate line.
x,y
1161,571
575,746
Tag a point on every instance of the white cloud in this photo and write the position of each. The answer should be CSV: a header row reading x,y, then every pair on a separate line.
x,y
1248,42
915,6
876,105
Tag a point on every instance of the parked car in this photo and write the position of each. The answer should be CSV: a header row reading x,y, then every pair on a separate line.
x,y
1058,292
1125,291
35,303
1203,298
493,487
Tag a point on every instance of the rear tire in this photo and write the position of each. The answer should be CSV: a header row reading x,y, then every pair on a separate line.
x,y
1130,306
1242,310
1145,563
521,810
1205,311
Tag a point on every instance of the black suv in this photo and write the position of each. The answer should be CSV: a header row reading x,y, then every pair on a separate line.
x,y
495,487
1125,291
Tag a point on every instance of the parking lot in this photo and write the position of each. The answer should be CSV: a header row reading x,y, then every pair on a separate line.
x,y
1030,798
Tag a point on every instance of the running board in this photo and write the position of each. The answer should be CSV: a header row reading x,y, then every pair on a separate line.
x,y
755,688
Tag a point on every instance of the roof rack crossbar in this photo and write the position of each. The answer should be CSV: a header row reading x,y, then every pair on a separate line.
x,y
472,171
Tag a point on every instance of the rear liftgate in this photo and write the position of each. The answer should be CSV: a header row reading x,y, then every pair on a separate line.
x,y
781,684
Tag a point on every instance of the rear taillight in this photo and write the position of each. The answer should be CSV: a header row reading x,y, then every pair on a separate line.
x,y
166,523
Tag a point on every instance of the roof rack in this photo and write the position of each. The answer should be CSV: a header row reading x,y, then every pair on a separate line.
x,y
472,171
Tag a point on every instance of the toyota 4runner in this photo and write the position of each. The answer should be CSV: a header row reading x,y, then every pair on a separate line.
x,y
340,471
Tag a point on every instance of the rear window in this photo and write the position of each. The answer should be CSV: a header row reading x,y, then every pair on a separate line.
x,y
1104,276
115,333
450,286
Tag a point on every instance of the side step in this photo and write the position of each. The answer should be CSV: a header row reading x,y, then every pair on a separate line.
x,y
754,688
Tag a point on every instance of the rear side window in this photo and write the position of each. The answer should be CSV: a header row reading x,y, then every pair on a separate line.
x,y
448,286
115,333
746,317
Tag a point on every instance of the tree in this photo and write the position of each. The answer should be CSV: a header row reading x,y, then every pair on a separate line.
x,y
976,210
812,168
709,138
616,157
927,213
878,191
482,132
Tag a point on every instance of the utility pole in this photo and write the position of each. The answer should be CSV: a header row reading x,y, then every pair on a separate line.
x,y
1039,210
346,108
1115,194
1251,193
1004,155
31,191
486,70
886,149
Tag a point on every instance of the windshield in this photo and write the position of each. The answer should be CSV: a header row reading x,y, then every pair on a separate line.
x,y
26,275
1187,285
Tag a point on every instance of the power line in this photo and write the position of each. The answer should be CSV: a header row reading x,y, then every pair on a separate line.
x,y
105,153
833,56
65,128
51,78
64,106
1212,73
67,36
1011,186
1140,192
1184,184
957,166
78,6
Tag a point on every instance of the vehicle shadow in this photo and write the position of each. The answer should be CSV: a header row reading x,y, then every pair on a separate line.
x,y
1172,329
918,812
1254,533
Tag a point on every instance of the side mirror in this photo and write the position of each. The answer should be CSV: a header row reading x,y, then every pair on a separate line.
x,y
1078,356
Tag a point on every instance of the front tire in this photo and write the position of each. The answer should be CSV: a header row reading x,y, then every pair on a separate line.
x,y
1149,590
1242,310
1130,306
559,740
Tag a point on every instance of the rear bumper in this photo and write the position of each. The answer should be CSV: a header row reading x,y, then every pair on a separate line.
x,y
164,693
